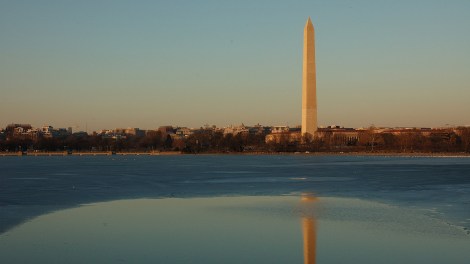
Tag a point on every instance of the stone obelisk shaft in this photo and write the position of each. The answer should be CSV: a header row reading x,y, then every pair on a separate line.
x,y
309,82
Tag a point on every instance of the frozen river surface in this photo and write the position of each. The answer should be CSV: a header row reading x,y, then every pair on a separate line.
x,y
234,209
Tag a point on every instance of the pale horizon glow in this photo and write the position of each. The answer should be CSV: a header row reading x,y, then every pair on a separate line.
x,y
106,64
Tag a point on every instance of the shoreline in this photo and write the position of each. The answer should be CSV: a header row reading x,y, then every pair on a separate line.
x,y
173,153
101,153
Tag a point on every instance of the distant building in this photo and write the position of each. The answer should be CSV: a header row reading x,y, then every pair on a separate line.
x,y
166,130
235,130
281,134
121,133
279,129
259,130
47,131
132,131
80,134
16,129
338,134
183,132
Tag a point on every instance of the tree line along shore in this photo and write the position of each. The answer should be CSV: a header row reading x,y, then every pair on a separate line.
x,y
208,141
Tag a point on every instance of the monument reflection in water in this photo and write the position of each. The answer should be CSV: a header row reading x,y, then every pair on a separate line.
x,y
309,231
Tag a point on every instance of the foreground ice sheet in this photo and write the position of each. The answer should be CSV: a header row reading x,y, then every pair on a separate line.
x,y
246,229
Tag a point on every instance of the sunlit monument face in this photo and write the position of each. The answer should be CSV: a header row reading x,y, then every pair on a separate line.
x,y
309,86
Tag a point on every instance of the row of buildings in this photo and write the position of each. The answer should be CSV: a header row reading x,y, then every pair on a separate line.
x,y
272,133
183,132
26,131
350,136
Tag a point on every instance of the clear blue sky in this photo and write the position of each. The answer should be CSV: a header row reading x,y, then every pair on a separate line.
x,y
108,64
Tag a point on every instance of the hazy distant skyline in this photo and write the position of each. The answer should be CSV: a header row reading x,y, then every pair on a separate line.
x,y
108,64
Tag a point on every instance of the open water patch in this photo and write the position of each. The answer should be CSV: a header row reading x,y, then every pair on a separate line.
x,y
246,229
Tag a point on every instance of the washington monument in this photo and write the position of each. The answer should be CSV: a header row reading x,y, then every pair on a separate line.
x,y
309,82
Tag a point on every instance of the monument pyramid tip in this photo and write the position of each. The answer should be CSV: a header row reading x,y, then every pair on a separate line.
x,y
309,22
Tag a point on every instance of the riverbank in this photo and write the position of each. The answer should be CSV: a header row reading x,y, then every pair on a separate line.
x,y
103,153
165,153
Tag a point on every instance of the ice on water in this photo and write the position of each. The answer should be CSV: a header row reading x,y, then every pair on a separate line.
x,y
234,209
